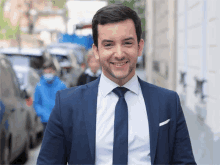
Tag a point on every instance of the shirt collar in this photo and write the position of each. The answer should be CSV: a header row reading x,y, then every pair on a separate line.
x,y
106,85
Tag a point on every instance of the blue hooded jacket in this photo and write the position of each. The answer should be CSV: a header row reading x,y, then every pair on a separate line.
x,y
44,97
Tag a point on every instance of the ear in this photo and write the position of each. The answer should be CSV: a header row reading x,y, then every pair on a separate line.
x,y
140,47
95,51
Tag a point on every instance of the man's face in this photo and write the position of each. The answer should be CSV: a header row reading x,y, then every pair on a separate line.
x,y
118,50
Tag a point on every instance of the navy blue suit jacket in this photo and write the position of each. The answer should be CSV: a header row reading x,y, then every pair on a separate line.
x,y
71,129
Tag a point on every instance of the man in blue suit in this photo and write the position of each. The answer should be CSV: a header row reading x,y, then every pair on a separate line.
x,y
118,118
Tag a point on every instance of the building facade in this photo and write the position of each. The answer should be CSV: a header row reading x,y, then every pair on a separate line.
x,y
182,55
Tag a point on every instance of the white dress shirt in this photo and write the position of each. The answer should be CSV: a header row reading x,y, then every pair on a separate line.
x,y
138,129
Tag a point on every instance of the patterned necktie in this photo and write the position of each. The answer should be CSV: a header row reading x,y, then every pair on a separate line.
x,y
120,147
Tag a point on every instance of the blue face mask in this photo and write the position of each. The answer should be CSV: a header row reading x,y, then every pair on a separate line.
x,y
49,77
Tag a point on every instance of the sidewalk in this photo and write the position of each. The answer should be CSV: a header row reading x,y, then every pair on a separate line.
x,y
205,146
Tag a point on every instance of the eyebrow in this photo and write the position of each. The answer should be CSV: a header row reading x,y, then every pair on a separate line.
x,y
130,38
107,41
126,39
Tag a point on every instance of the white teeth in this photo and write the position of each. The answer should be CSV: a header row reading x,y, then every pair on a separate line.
x,y
120,64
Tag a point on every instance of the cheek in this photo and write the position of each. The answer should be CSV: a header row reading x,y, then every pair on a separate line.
x,y
132,55
105,55
134,52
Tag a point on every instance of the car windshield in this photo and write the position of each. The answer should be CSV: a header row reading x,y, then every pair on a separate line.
x,y
19,60
60,58
26,60
21,78
21,73
77,50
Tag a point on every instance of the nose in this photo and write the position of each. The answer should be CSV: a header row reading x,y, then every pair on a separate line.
x,y
119,53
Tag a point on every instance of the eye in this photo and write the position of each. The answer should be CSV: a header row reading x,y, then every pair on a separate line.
x,y
128,43
107,45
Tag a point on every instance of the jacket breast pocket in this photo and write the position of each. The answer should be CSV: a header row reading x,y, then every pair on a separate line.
x,y
163,144
164,127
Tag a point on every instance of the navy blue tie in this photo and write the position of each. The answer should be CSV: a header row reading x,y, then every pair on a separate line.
x,y
120,146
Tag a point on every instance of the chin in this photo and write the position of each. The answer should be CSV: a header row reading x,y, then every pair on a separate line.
x,y
120,76
124,74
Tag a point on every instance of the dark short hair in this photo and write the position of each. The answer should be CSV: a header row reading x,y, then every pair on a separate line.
x,y
112,14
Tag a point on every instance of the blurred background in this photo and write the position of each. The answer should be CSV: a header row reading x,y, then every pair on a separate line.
x,y
180,53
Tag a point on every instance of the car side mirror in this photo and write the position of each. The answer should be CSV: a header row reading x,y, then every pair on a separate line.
x,y
24,94
28,99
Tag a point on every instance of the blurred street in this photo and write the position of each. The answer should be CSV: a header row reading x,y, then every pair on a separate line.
x,y
50,42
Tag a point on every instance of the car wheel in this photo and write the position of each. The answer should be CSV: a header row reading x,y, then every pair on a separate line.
x,y
24,156
5,154
31,133
26,151
33,139
31,142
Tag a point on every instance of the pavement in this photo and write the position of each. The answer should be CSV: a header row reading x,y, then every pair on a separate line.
x,y
206,145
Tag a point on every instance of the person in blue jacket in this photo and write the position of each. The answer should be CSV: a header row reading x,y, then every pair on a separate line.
x,y
45,92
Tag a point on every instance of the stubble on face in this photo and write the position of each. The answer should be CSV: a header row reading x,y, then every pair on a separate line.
x,y
123,47
119,77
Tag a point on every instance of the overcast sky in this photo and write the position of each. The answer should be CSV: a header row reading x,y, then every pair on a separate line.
x,y
82,12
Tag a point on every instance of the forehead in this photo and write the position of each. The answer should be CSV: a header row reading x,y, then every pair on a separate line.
x,y
117,31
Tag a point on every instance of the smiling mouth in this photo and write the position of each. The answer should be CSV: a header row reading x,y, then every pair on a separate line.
x,y
119,63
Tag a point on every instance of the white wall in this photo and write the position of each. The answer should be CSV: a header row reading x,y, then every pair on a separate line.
x,y
213,59
161,42
190,56
198,47
195,52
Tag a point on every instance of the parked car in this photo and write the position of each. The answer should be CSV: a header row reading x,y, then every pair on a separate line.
x,y
33,57
70,68
28,79
78,51
14,117
55,61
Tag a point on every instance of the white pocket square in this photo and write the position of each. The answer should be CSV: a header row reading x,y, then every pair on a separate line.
x,y
164,122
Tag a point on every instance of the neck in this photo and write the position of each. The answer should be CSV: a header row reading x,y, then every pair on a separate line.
x,y
121,81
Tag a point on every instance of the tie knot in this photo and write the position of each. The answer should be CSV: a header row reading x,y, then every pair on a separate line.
x,y
120,91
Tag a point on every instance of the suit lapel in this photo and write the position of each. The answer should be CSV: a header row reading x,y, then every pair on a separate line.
x,y
152,106
91,94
